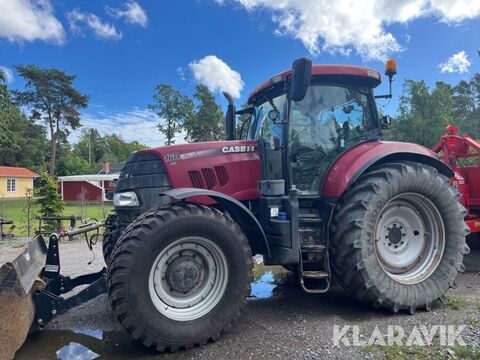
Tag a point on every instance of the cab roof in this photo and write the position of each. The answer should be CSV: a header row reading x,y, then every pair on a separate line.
x,y
370,75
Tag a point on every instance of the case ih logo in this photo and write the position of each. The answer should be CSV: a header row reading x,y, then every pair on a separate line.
x,y
238,149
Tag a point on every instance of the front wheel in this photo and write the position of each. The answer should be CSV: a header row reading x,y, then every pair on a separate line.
x,y
179,276
400,237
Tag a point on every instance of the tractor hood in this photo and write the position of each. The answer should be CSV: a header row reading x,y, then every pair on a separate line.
x,y
229,167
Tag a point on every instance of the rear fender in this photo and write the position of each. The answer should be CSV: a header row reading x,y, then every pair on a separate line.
x,y
239,213
356,161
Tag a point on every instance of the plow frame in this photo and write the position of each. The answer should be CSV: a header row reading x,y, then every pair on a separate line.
x,y
49,301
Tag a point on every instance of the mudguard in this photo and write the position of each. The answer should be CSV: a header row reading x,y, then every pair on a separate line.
x,y
239,213
353,163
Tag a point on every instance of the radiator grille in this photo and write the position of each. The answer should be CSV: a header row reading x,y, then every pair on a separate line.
x,y
209,177
222,175
196,179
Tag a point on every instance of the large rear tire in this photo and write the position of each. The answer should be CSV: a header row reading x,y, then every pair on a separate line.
x,y
399,237
179,276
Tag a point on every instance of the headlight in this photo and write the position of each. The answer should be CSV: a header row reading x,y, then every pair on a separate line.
x,y
127,198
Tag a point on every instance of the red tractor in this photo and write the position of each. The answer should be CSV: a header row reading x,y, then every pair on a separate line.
x,y
306,182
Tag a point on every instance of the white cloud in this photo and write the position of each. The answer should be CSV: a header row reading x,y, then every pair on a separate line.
x,y
181,73
7,73
101,29
345,25
132,125
29,20
215,74
133,13
456,63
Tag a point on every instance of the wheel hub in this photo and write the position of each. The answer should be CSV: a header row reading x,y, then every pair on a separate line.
x,y
188,278
395,235
184,273
409,238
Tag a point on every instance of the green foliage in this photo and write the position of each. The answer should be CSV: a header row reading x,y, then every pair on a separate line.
x,y
92,149
118,150
423,114
14,210
466,106
22,143
456,303
207,122
50,200
53,100
174,110
91,146
72,164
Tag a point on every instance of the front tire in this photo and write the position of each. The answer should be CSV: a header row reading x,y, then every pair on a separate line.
x,y
400,237
179,276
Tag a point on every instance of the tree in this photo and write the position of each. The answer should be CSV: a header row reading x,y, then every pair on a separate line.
x,y
173,108
423,114
208,122
119,150
72,164
22,143
91,146
53,100
28,209
466,106
50,201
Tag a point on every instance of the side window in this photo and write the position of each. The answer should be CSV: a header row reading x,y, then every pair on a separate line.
x,y
266,128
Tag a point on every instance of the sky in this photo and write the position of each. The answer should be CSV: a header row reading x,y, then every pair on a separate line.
x,y
120,50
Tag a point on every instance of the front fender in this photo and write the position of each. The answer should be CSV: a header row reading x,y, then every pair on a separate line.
x,y
354,162
239,213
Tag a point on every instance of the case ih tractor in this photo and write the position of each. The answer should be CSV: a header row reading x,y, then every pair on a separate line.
x,y
306,182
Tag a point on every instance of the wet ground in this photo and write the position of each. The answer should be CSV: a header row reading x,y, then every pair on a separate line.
x,y
280,321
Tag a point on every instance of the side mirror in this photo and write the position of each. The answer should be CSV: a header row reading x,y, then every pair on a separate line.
x,y
301,75
386,121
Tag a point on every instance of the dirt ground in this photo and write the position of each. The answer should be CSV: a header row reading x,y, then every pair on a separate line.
x,y
280,321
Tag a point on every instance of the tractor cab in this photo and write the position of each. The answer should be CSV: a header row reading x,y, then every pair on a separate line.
x,y
303,127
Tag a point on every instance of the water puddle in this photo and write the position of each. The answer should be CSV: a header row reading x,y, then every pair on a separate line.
x,y
89,344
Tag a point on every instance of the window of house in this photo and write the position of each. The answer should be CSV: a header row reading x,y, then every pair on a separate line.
x,y
11,185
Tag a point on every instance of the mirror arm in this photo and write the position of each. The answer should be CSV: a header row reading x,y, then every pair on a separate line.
x,y
389,95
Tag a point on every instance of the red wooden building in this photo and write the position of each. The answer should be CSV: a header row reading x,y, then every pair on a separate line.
x,y
86,188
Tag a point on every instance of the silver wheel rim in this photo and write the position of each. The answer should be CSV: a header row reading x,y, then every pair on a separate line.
x,y
188,278
409,238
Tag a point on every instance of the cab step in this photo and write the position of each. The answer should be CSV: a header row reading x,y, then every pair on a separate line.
x,y
316,274
313,248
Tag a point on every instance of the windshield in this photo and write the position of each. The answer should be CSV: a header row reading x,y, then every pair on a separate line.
x,y
329,119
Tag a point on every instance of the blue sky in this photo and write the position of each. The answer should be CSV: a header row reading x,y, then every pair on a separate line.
x,y
121,49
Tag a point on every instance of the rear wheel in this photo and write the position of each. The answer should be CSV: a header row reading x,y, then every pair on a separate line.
x,y
399,237
179,276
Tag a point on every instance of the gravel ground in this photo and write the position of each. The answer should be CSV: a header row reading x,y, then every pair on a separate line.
x,y
282,322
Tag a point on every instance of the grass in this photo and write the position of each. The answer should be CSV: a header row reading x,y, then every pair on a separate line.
x,y
478,304
15,210
466,352
456,303
396,352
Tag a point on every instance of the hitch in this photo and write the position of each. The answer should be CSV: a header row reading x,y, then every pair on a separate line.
x,y
48,301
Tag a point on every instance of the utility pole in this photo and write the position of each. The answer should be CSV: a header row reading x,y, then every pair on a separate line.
x,y
90,147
